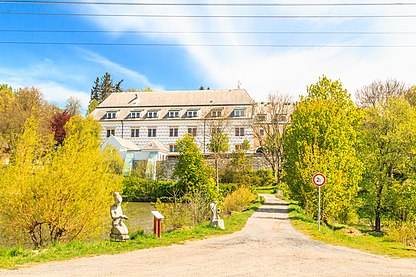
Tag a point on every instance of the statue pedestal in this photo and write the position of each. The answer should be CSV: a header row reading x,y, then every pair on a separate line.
x,y
217,223
119,237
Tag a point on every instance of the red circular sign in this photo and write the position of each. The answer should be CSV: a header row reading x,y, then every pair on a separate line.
x,y
319,179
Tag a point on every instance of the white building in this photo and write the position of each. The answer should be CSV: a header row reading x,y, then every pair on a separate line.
x,y
142,117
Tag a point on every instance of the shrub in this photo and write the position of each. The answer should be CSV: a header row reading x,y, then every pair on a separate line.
x,y
404,232
136,189
238,200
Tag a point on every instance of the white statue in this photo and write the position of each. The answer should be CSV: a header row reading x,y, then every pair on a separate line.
x,y
216,221
119,230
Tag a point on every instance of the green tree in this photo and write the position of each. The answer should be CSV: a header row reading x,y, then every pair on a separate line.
x,y
322,138
193,173
101,89
219,144
57,194
388,149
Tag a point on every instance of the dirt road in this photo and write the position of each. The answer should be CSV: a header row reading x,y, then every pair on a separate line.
x,y
267,246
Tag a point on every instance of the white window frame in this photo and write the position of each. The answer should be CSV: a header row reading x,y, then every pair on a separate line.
x,y
239,131
173,114
152,114
172,148
134,114
173,132
135,132
111,115
216,113
193,131
151,132
110,132
239,113
192,113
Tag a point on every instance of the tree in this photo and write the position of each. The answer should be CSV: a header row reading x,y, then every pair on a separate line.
x,y
218,145
57,194
57,125
322,138
191,170
15,108
388,149
101,89
270,127
73,106
379,91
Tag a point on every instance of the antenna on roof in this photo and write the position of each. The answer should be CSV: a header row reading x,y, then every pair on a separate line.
x,y
239,84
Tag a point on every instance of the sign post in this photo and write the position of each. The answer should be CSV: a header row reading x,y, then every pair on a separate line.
x,y
319,180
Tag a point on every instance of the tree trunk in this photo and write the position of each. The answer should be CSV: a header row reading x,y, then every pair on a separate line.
x,y
377,226
216,174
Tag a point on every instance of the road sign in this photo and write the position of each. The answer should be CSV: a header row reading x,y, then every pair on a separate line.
x,y
319,179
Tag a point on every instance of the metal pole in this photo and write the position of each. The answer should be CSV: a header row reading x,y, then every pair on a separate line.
x,y
319,209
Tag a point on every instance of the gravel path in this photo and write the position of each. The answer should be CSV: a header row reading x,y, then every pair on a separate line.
x,y
267,246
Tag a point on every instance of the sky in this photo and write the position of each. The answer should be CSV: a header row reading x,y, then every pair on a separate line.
x,y
276,48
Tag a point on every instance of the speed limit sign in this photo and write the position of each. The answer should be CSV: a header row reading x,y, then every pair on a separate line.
x,y
319,179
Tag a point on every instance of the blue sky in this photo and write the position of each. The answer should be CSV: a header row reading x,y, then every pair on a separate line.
x,y
61,71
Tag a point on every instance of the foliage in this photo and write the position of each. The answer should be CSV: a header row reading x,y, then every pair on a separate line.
x,y
270,128
404,232
322,138
51,195
388,148
57,125
379,91
137,189
15,108
73,105
238,200
102,88
218,145
193,174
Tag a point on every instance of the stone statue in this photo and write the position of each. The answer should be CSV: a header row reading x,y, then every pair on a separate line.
x,y
119,230
216,221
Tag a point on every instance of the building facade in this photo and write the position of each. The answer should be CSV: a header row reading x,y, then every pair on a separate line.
x,y
142,117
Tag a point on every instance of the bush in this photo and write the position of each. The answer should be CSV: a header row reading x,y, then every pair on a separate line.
x,y
141,190
404,232
238,200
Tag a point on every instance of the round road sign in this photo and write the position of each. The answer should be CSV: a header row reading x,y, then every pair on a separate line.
x,y
319,179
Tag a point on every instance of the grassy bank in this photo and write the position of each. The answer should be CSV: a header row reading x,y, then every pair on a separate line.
x,y
17,256
357,237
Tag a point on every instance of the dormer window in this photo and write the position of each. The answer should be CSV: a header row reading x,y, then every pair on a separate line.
x,y
152,114
111,115
135,114
216,113
239,113
173,114
192,113
261,117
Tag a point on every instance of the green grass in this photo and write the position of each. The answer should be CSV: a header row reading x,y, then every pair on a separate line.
x,y
15,257
266,190
371,242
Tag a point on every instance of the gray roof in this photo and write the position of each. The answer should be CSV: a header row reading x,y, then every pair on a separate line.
x,y
177,98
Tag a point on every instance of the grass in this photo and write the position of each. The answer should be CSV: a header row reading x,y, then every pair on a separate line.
x,y
371,242
266,190
12,258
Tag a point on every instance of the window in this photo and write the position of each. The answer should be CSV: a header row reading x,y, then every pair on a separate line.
x,y
151,132
239,131
173,132
238,147
261,117
173,114
135,132
261,132
135,115
111,115
239,113
172,148
110,132
152,114
192,131
215,130
192,114
216,113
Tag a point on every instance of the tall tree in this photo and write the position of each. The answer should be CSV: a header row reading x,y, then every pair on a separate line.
x,y
219,144
379,91
73,106
322,138
270,127
389,151
193,173
101,89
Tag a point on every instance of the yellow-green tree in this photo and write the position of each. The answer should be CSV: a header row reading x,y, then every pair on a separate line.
x,y
57,194
322,138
